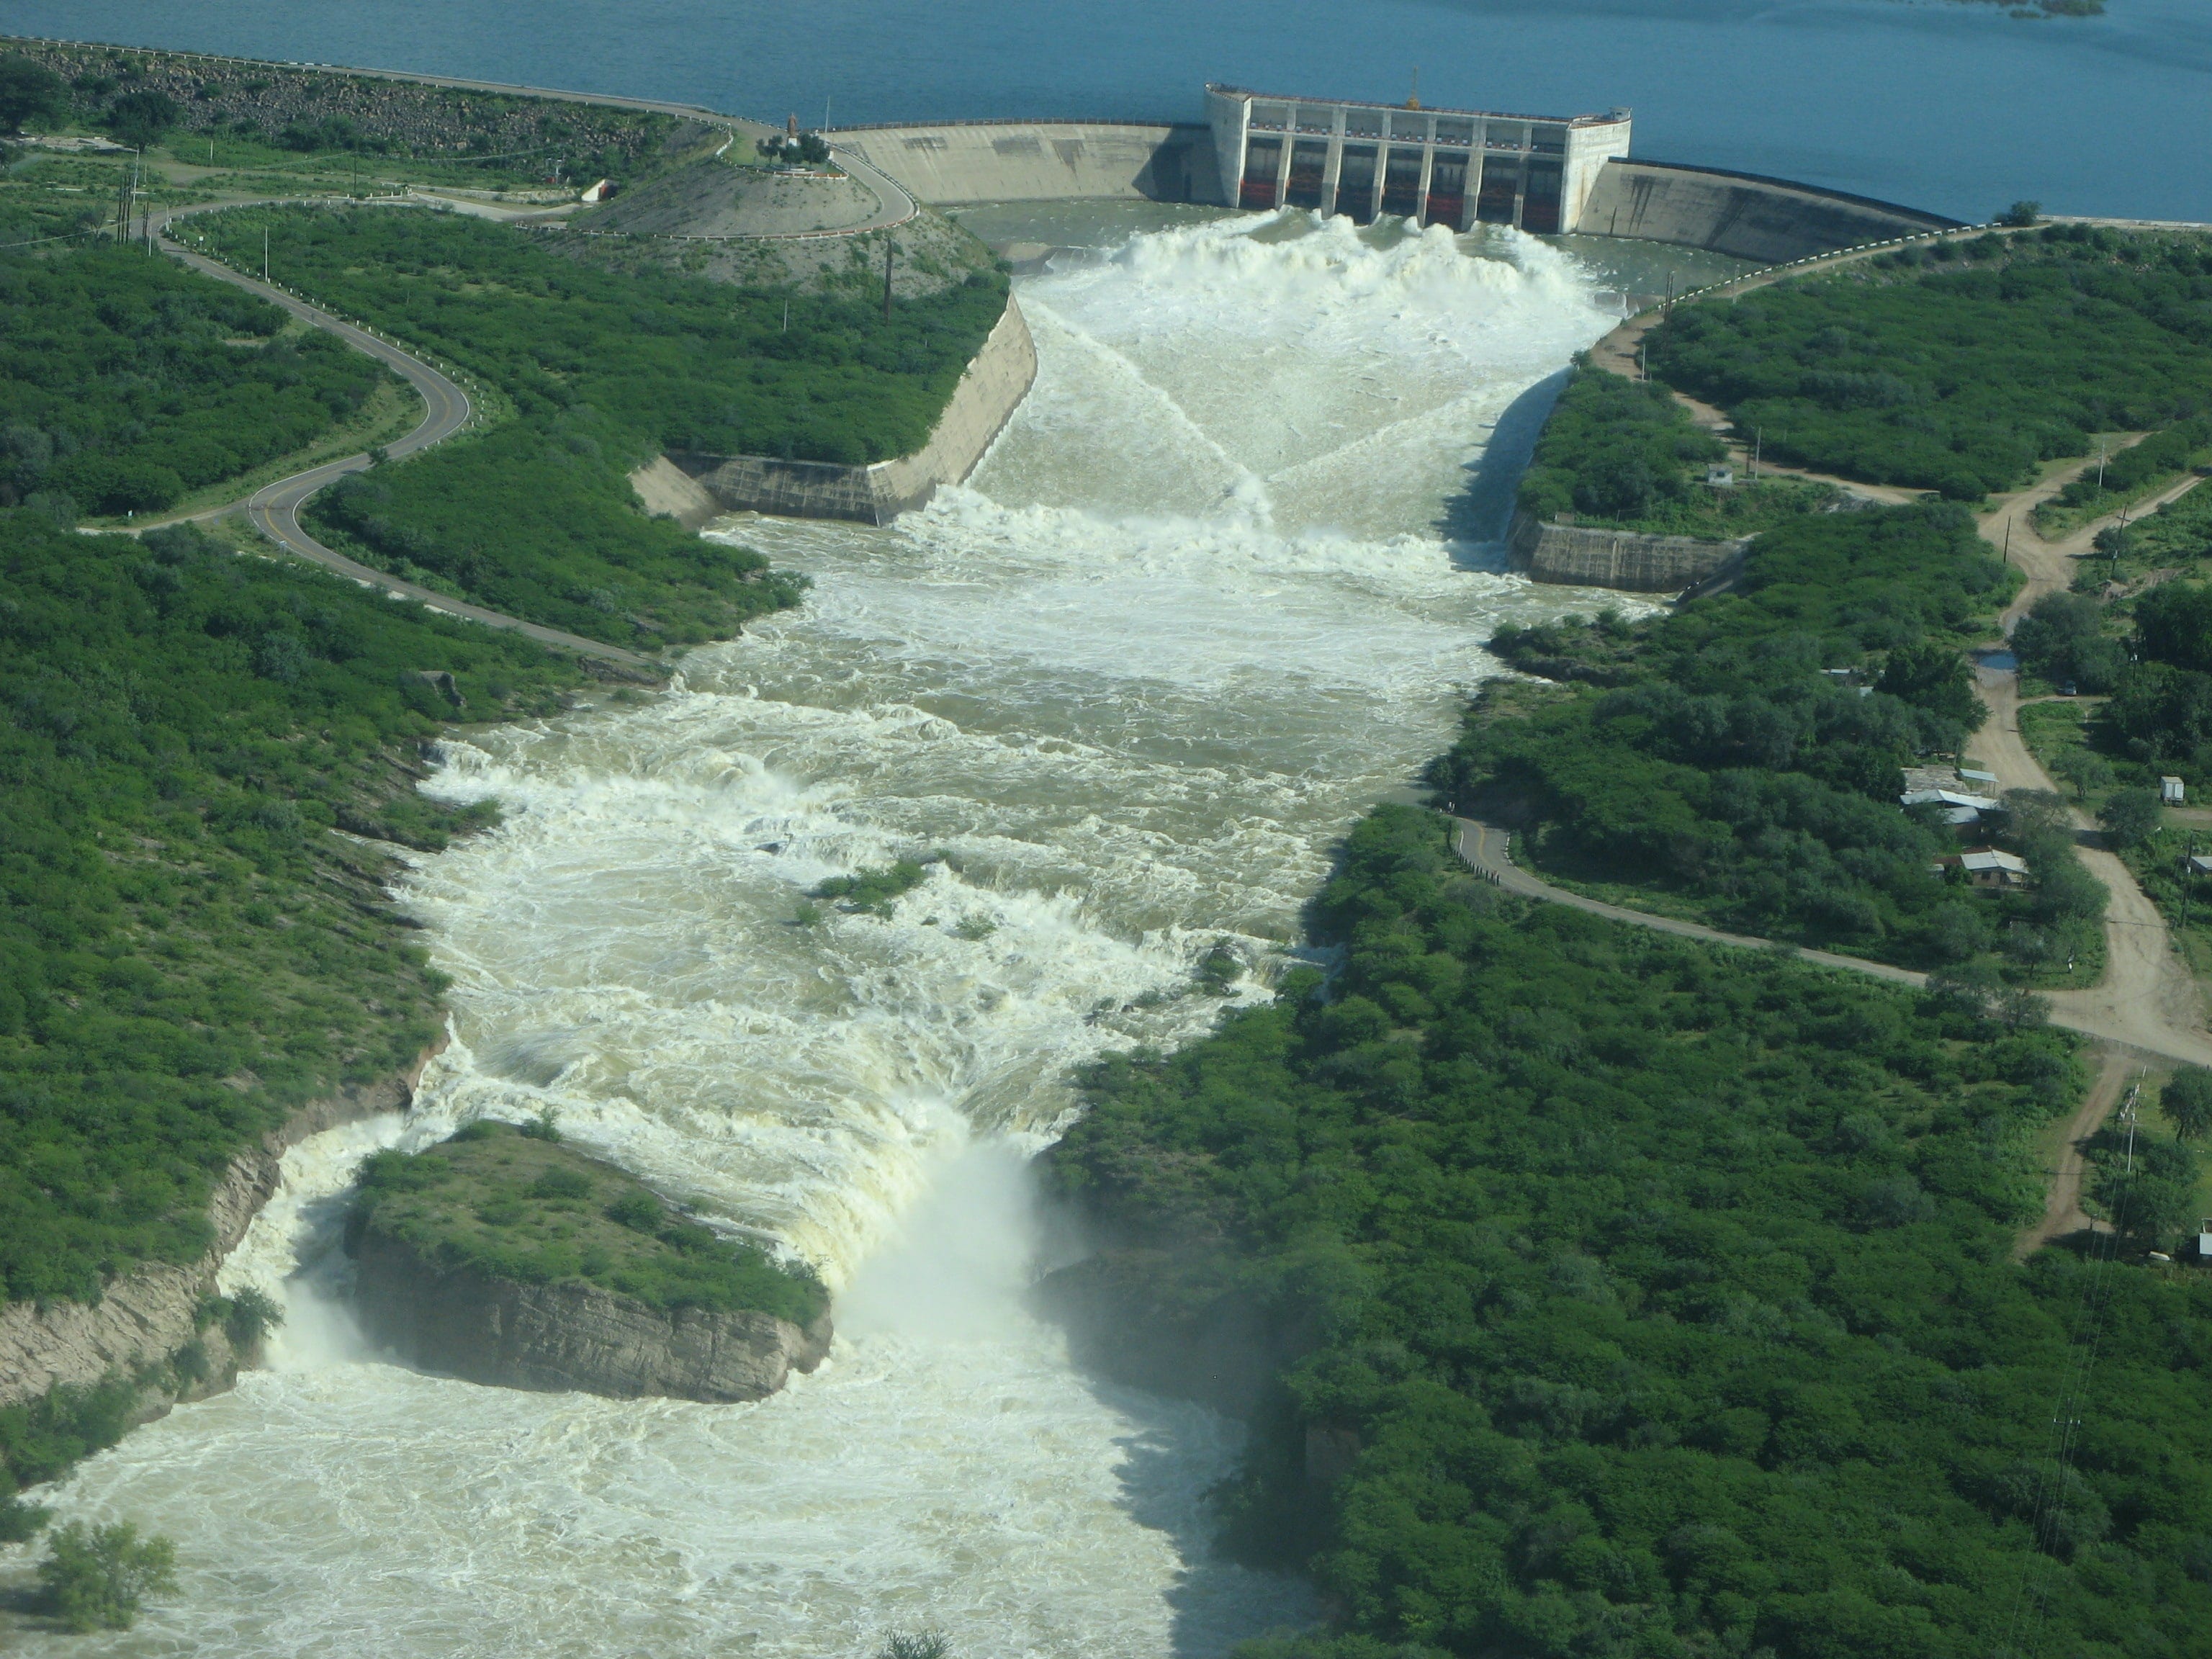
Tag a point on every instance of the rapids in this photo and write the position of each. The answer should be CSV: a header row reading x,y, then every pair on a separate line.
x,y
1217,588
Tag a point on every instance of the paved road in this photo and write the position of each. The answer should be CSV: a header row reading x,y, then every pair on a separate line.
x,y
274,510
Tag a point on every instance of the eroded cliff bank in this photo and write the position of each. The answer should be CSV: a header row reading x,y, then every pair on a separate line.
x,y
506,1258
150,1315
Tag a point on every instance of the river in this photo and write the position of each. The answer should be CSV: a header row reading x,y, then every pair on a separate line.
x,y
1957,108
1198,609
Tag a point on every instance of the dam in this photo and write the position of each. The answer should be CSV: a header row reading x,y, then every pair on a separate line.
x,y
1462,169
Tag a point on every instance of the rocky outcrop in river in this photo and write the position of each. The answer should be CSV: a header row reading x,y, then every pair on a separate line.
x,y
573,1335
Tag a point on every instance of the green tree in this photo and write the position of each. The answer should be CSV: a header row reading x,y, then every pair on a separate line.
x,y
29,92
2187,1100
1933,676
2085,768
140,119
2021,214
2131,817
98,1577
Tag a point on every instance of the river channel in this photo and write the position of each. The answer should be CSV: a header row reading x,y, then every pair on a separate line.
x,y
1220,586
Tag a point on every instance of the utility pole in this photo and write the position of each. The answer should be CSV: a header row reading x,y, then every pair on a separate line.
x,y
2101,466
2188,869
2008,550
1757,448
888,249
264,253
786,316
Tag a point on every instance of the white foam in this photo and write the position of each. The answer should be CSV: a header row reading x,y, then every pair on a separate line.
x,y
1194,613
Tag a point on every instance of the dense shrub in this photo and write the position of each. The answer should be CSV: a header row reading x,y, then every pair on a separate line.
x,y
675,361
187,954
1620,452
1719,753
1959,381
125,381
1648,1298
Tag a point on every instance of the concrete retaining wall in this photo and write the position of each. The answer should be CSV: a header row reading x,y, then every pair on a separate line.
x,y
989,392
1581,556
957,162
1739,214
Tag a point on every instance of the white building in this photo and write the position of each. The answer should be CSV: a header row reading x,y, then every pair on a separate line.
x,y
1441,167
2170,791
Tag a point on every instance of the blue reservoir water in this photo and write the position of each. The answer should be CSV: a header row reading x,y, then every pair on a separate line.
x,y
1956,107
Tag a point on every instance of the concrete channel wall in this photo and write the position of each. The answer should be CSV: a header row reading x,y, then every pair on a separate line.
x,y
949,163
1582,555
989,392
1743,215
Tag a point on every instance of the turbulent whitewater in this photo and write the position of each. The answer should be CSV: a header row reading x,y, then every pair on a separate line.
x,y
1217,589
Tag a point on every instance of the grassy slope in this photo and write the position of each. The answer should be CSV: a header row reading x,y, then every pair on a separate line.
x,y
513,1206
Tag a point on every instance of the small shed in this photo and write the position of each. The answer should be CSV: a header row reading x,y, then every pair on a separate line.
x,y
2200,864
2204,1239
1985,867
600,192
1968,775
1720,477
2170,791
1956,807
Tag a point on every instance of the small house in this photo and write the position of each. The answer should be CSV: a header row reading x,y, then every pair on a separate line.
x,y
2200,864
2204,1239
2170,791
1720,477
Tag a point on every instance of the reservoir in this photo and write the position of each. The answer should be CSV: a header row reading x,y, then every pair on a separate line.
x,y
1957,108
1217,588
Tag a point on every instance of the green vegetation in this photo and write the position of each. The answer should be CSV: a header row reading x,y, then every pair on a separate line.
x,y
2127,475
189,952
1656,1298
126,380
1624,454
30,94
537,519
1960,381
2177,537
1740,759
680,363
514,1206
190,98
98,1577
873,891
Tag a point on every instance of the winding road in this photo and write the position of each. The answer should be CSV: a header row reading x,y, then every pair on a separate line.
x,y
274,509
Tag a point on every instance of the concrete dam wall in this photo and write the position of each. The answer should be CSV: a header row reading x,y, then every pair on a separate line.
x,y
1772,221
989,393
952,163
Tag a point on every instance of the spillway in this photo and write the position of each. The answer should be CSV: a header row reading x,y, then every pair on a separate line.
x,y
1197,610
